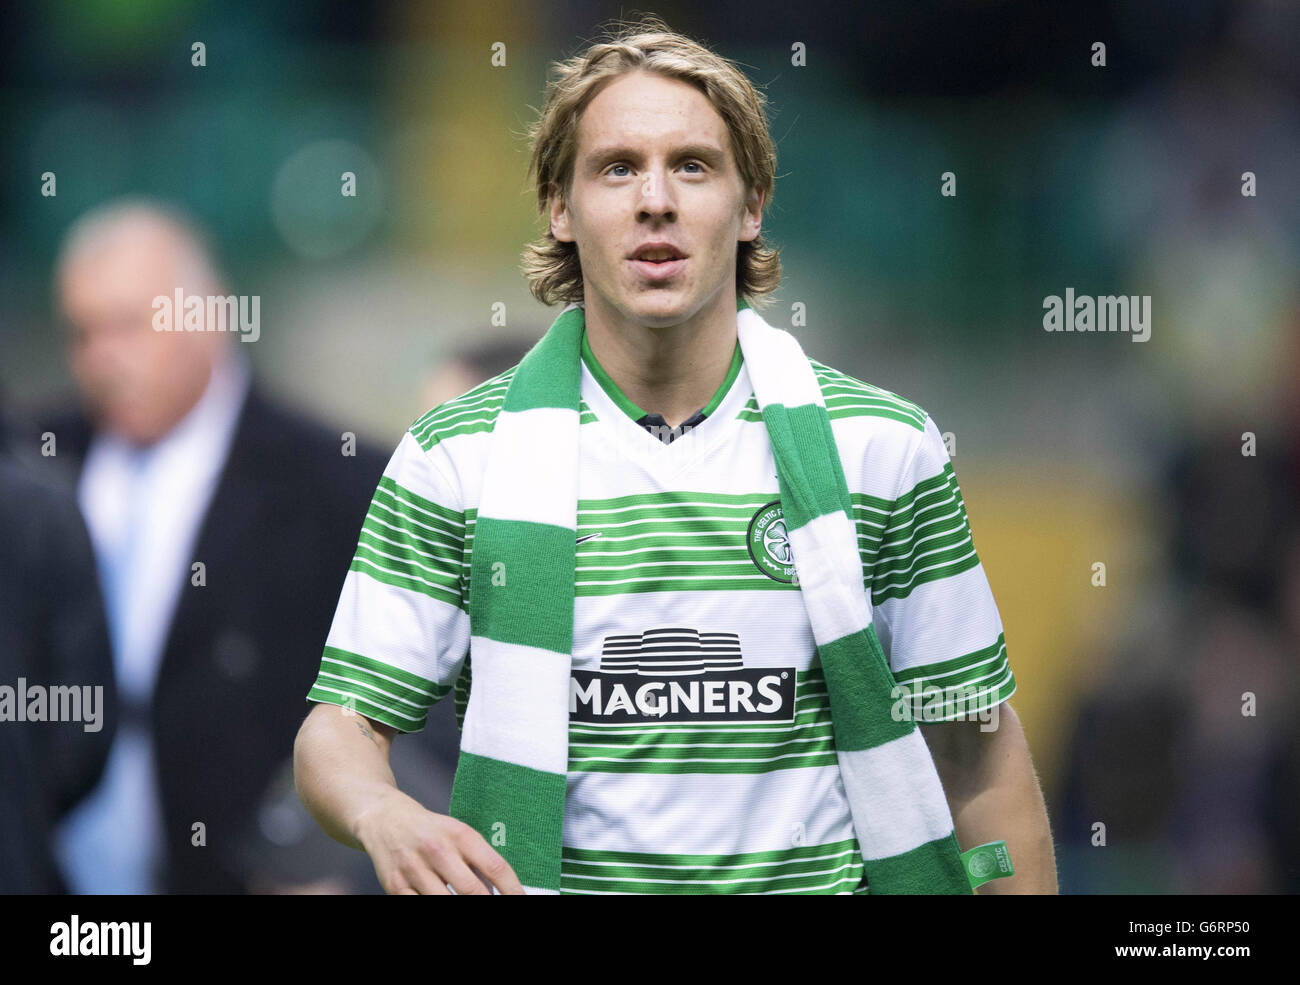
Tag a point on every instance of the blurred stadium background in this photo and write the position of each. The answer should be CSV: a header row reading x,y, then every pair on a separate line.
x,y
1070,449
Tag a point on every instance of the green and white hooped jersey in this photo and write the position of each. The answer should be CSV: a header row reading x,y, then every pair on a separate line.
x,y
701,756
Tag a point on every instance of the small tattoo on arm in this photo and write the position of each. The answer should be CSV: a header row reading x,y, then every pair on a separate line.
x,y
367,733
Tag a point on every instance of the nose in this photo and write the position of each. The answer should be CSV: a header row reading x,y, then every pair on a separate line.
x,y
656,198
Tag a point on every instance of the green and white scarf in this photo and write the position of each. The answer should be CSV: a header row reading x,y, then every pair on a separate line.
x,y
510,781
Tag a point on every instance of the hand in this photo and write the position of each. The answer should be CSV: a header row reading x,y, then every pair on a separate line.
x,y
419,853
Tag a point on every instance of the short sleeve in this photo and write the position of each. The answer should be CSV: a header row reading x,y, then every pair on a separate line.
x,y
932,607
401,630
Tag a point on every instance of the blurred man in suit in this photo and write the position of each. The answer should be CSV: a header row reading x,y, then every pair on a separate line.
x,y
223,524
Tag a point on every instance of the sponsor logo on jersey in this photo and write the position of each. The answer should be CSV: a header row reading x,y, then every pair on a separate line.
x,y
769,545
679,674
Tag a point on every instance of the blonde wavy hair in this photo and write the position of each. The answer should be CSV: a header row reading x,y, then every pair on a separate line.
x,y
551,267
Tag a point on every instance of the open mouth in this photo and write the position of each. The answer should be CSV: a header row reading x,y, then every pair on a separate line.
x,y
658,261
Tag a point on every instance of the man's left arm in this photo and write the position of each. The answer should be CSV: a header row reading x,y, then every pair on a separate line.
x,y
994,795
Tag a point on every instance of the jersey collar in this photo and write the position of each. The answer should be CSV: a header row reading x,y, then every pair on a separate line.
x,y
636,413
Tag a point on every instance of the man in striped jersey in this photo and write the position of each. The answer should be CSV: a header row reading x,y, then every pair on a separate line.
x,y
701,751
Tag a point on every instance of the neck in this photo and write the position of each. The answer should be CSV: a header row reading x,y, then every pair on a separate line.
x,y
672,370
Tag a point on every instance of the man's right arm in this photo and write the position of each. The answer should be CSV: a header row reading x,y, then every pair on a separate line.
x,y
399,639
342,775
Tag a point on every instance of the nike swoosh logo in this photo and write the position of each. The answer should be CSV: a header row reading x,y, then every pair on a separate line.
x,y
588,537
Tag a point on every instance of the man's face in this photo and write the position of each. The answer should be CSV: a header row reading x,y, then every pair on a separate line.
x,y
135,381
654,164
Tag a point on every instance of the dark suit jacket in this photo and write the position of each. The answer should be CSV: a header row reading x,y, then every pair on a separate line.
x,y
242,651
52,633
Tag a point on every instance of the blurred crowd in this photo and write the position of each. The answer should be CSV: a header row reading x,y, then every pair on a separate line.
x,y
1182,772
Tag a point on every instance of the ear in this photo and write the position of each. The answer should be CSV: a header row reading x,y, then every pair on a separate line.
x,y
559,216
752,220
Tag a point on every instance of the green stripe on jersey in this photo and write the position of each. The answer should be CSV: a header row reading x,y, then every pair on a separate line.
x,y
922,536
804,869
411,542
375,689
849,397
474,412
970,683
